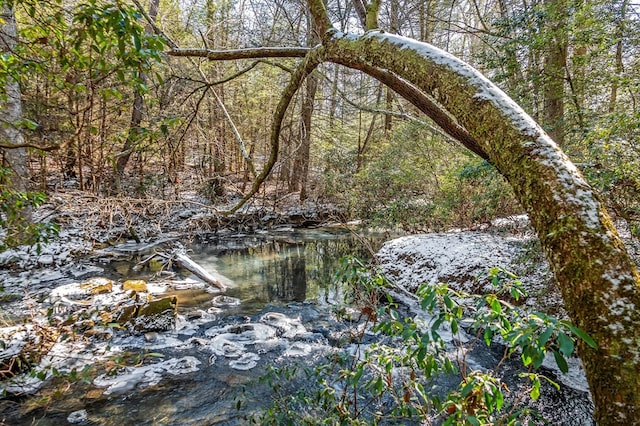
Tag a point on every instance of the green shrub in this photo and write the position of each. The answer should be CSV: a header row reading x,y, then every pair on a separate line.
x,y
418,181
15,207
391,381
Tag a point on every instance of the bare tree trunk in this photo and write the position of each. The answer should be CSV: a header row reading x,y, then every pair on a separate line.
x,y
394,27
300,175
301,165
619,68
555,62
11,111
136,113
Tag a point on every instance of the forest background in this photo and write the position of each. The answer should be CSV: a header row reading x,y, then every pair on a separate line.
x,y
91,102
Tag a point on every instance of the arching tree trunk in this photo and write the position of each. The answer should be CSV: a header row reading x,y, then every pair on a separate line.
x,y
600,284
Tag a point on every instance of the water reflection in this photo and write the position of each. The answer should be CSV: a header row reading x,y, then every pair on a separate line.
x,y
285,267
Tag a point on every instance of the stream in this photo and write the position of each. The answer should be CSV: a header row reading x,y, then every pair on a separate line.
x,y
279,309
280,290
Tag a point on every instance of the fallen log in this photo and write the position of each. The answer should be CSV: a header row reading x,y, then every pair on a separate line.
x,y
187,263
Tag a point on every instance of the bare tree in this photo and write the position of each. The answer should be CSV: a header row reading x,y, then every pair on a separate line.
x,y
133,135
15,157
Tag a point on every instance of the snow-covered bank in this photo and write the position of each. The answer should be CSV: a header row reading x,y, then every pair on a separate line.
x,y
461,258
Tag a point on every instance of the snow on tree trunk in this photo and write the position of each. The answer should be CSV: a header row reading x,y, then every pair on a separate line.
x,y
599,283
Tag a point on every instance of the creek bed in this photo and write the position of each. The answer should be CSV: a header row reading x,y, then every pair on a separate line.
x,y
278,310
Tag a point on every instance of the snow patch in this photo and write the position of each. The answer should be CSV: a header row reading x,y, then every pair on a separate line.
x,y
450,258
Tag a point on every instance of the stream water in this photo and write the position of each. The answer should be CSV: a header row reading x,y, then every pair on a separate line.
x,y
279,309
278,281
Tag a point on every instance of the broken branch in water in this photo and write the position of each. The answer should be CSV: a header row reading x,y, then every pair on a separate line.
x,y
190,265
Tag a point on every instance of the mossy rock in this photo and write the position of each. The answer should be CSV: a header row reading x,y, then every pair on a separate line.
x,y
151,315
125,314
135,285
97,285
157,315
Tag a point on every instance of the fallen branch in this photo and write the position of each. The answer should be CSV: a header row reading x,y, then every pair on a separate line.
x,y
187,263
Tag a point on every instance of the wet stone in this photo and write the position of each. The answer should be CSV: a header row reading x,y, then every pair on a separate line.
x,y
78,417
136,285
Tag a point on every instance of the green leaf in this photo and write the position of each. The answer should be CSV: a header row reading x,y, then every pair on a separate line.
x,y
535,392
562,363
28,124
448,302
583,335
499,400
454,326
544,337
467,389
473,420
496,306
358,375
565,343
487,336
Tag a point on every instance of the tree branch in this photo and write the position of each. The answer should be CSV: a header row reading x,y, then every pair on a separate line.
x,y
31,145
235,54
314,58
420,100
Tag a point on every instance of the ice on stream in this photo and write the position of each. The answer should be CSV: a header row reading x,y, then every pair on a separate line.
x,y
244,342
130,378
237,346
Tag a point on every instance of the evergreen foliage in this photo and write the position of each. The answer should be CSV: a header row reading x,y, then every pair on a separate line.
x,y
399,379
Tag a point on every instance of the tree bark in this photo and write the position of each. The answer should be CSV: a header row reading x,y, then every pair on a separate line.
x,y
14,151
300,172
136,113
619,65
555,63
